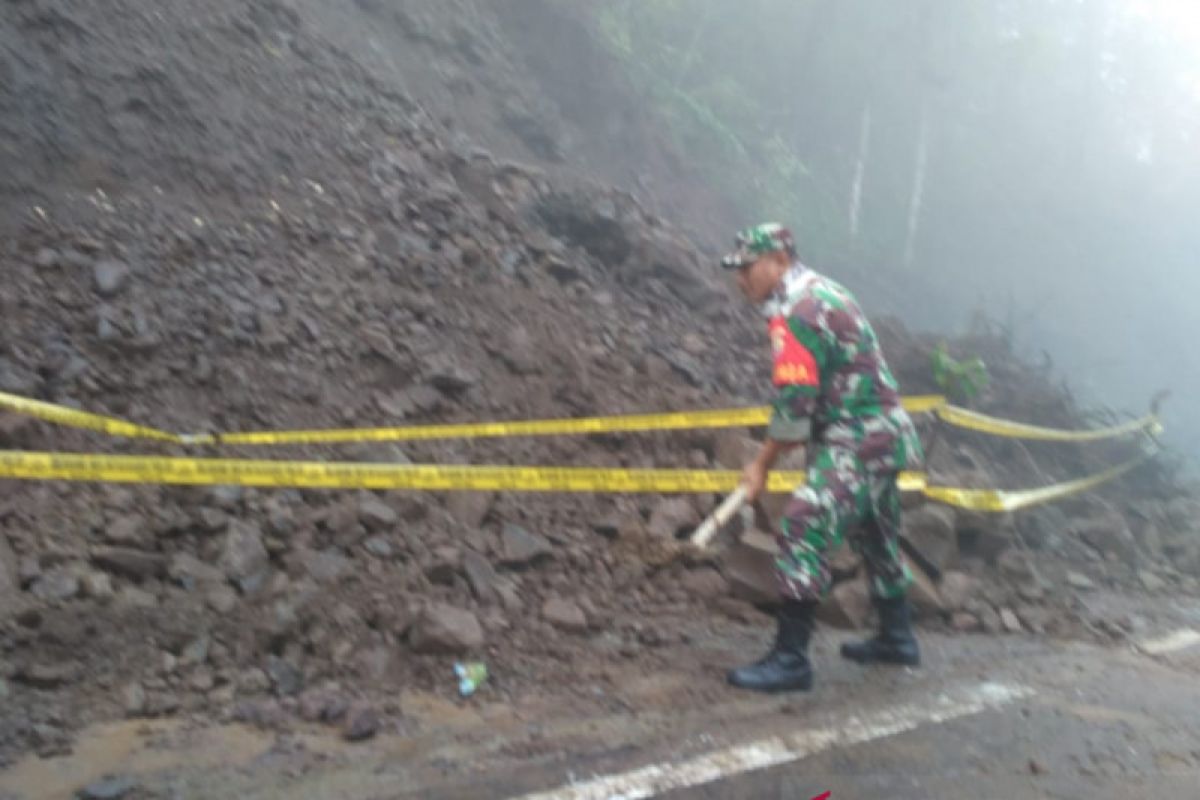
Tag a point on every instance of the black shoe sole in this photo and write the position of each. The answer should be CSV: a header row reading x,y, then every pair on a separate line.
x,y
899,661
804,684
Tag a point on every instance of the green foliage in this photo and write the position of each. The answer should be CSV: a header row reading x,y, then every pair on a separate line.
x,y
961,381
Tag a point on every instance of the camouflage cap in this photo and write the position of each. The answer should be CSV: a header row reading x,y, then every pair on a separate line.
x,y
757,241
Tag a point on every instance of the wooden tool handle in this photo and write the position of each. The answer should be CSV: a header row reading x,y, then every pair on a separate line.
x,y
717,520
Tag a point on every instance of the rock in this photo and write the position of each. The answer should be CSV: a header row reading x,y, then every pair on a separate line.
x,y
957,589
749,566
1035,618
133,597
1109,535
705,582
672,517
847,605
1041,526
1015,565
1036,767
990,619
564,614
10,583
126,530
1077,580
133,699
97,585
244,558
221,599
202,680
470,509
444,565
28,570
1009,620
376,515
734,450
107,788
49,676
190,572
1150,581
56,585
519,547
963,622
445,629
125,561
931,530
378,546
481,576
363,723
984,535
286,677
452,379
109,277
327,566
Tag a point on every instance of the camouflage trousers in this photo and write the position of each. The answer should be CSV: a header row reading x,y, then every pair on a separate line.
x,y
841,497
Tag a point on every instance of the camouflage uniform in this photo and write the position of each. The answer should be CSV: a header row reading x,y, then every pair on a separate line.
x,y
835,392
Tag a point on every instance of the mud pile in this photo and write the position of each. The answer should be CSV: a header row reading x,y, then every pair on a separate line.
x,y
222,217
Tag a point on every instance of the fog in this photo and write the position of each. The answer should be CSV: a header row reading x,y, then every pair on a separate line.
x,y
1037,160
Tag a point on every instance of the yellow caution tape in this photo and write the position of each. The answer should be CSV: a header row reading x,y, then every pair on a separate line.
x,y
62,415
973,420
681,420
318,475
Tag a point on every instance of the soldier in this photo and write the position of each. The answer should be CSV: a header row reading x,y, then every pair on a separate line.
x,y
835,394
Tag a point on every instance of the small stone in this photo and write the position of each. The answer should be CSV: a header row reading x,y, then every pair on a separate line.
x,y
133,597
190,572
125,530
1009,620
49,676
109,277
481,576
1150,581
57,585
221,599
444,565
285,676
673,516
452,379
519,547
1078,580
130,563
442,628
565,615
244,557
957,589
964,622
97,585
133,698
376,515
470,509
28,571
990,620
107,788
327,566
378,546
362,724
705,583
202,679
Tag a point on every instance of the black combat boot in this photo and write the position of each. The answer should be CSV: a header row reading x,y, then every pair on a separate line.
x,y
786,668
895,643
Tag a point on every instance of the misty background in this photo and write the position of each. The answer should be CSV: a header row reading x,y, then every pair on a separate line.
x,y
1029,165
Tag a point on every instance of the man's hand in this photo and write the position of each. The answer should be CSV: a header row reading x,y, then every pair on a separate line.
x,y
754,478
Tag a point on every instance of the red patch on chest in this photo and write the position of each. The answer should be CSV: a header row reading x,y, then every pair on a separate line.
x,y
794,364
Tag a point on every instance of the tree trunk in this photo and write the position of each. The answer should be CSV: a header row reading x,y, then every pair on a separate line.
x,y
860,169
917,196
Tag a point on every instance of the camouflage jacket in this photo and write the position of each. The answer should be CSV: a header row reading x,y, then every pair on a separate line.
x,y
832,383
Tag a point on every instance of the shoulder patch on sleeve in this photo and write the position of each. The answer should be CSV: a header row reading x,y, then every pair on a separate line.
x,y
795,365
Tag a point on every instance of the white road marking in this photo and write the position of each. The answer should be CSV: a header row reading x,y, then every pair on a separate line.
x,y
1180,639
888,721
